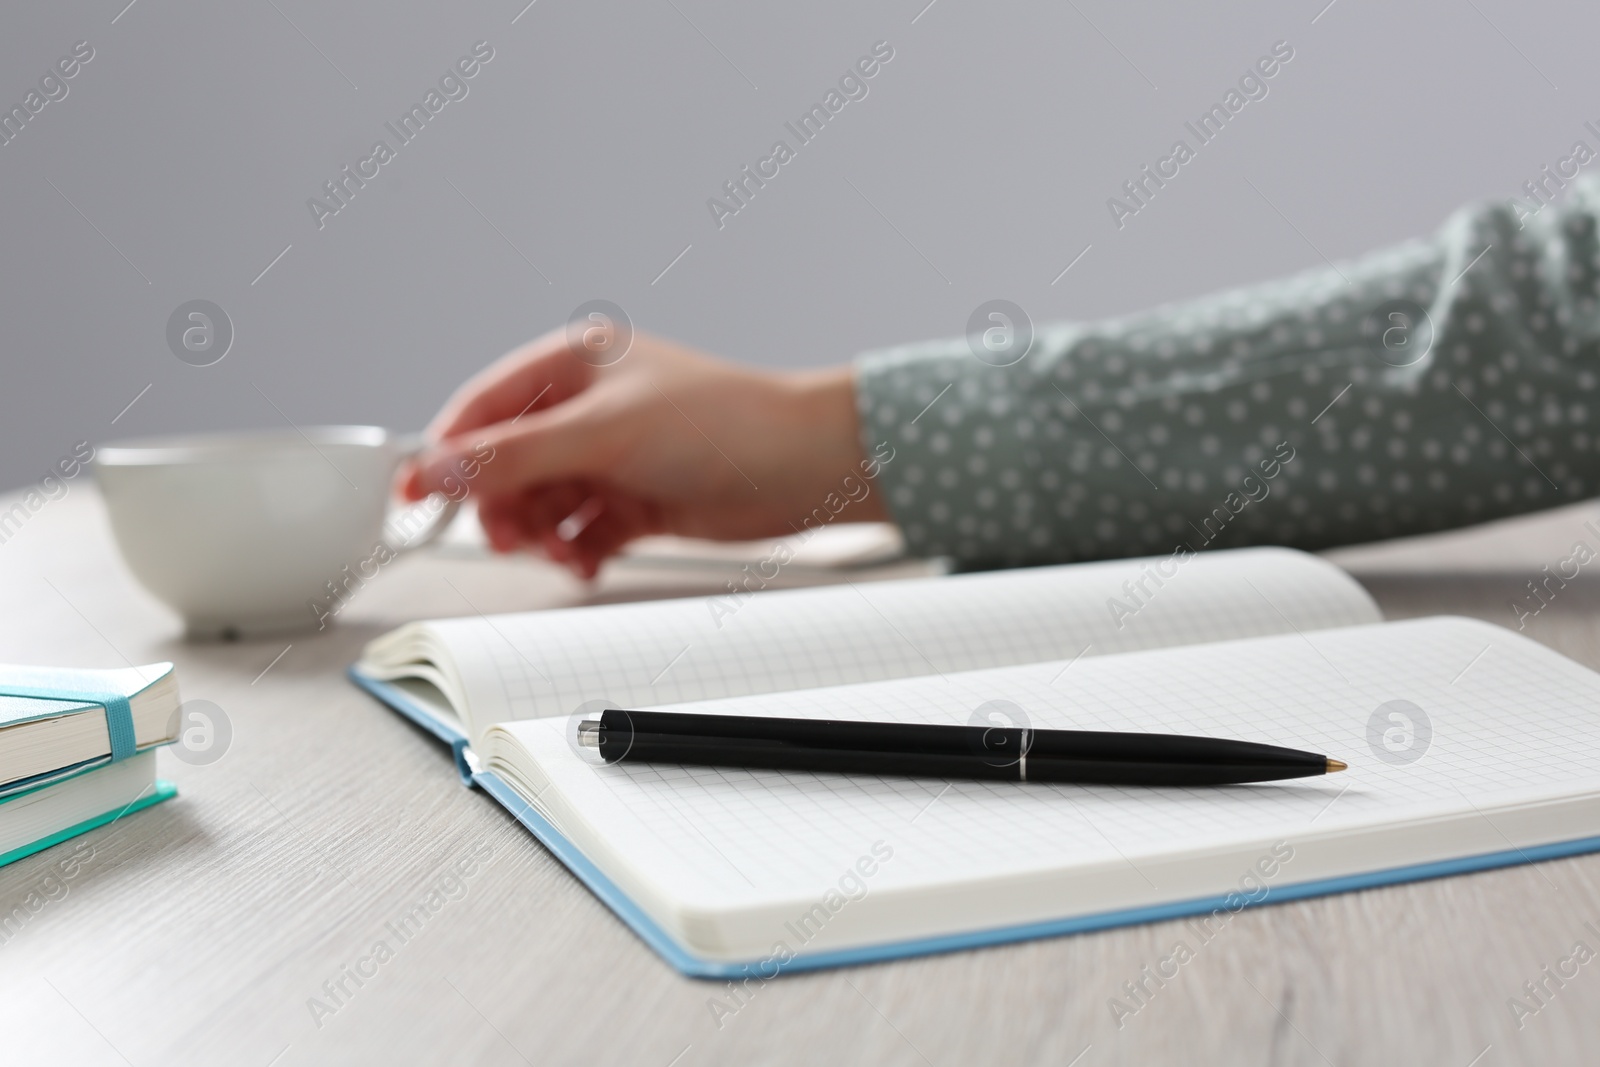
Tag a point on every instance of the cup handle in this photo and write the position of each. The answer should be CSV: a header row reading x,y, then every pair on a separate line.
x,y
432,527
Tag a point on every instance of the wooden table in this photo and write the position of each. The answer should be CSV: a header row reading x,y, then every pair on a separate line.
x,y
198,932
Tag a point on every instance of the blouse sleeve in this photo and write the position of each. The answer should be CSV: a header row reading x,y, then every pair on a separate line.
x,y
1437,383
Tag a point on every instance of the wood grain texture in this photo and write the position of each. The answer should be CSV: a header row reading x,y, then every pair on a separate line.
x,y
197,932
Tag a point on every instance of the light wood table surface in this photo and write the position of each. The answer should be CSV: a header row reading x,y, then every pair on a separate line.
x,y
196,932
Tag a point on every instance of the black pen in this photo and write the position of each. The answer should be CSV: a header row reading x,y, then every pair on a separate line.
x,y
1008,754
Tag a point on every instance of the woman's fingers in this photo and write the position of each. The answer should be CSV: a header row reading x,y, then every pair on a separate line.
x,y
501,524
543,510
600,527
571,440
538,375
523,519
530,379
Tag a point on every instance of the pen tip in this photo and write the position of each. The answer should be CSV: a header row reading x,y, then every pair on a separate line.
x,y
1336,765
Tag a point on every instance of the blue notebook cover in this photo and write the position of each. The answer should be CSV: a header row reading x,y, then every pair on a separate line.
x,y
29,693
695,966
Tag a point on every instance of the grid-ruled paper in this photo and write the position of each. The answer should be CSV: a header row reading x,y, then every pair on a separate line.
x,y
1512,723
549,663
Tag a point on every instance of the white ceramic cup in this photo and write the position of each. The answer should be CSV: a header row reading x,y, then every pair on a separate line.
x,y
254,533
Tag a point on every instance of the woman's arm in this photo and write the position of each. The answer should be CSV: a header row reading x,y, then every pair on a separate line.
x,y
1438,383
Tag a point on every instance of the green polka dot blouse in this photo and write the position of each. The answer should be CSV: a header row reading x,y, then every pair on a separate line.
x,y
1434,384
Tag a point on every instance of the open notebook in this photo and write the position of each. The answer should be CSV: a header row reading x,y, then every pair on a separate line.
x,y
1465,743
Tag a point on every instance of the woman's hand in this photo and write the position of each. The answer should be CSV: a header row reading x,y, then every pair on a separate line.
x,y
587,457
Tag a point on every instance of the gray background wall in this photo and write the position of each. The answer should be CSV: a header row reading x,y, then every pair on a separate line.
x,y
184,154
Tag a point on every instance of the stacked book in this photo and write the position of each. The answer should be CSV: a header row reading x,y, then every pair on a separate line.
x,y
77,750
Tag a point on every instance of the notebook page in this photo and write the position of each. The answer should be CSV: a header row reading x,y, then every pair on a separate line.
x,y
549,663
1512,723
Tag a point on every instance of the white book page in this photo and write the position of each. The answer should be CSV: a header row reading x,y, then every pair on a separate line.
x,y
549,663
1512,724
